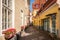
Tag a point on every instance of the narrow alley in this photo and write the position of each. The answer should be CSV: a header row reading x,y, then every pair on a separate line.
x,y
29,19
34,34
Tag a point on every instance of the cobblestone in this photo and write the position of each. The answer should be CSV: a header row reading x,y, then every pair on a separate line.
x,y
36,35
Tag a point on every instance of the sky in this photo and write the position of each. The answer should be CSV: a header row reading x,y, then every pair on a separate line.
x,y
31,1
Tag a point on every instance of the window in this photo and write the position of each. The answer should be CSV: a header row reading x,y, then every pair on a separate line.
x,y
9,17
46,24
21,11
46,0
9,3
5,2
6,14
53,23
37,6
3,18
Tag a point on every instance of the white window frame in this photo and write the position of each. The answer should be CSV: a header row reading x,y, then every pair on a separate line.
x,y
13,14
1,18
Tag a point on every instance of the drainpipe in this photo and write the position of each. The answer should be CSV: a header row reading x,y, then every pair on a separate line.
x,y
58,31
58,2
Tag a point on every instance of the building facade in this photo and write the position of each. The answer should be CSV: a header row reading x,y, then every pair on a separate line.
x,y
6,15
13,14
47,18
21,13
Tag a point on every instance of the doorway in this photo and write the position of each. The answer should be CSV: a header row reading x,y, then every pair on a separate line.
x,y
53,24
46,24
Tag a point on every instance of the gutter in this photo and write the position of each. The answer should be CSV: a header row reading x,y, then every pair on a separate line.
x,y
47,6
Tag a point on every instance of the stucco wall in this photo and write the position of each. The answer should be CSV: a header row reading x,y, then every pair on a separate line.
x,y
2,38
20,5
51,10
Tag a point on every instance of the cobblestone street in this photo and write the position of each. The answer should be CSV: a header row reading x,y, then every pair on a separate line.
x,y
36,35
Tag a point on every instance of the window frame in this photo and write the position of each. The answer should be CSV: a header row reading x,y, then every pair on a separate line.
x,y
12,14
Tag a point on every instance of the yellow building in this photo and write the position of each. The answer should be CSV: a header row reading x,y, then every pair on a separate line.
x,y
48,19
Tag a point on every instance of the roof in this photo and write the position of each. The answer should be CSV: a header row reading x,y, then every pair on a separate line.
x,y
48,4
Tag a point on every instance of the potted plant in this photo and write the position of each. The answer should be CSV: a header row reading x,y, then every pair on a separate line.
x,y
9,33
22,28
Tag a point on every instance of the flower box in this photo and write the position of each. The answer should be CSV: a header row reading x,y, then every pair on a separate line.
x,y
9,33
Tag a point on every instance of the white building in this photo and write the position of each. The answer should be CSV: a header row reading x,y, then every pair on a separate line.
x,y
31,17
6,15
13,14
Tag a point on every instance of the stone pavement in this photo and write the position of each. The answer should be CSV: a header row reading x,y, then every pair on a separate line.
x,y
31,33
36,35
